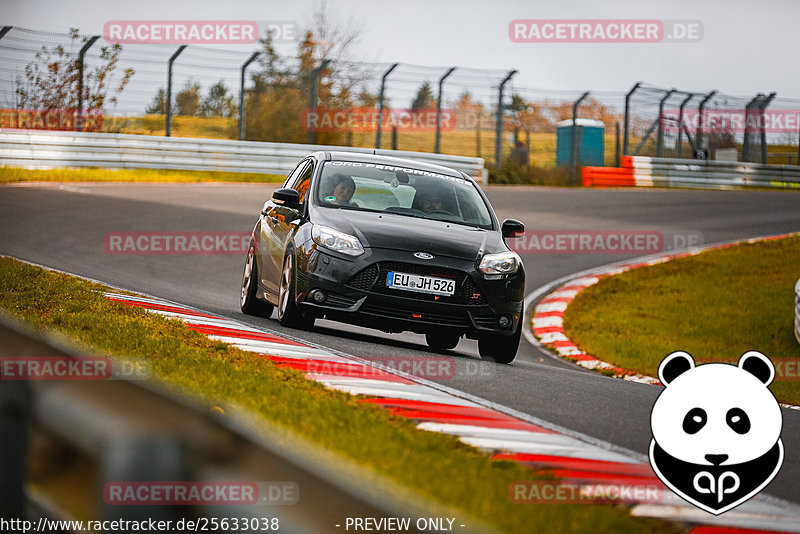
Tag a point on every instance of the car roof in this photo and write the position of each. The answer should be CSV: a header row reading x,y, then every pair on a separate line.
x,y
391,160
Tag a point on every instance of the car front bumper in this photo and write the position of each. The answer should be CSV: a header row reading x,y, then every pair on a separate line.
x,y
356,293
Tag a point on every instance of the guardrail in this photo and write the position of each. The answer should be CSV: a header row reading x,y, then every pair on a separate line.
x,y
665,172
87,434
47,150
797,311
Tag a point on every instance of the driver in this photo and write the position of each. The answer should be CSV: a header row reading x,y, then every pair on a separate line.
x,y
342,190
432,201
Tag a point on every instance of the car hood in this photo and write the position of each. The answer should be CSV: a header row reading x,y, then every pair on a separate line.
x,y
399,232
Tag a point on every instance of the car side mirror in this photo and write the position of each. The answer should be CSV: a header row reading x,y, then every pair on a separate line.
x,y
512,228
287,197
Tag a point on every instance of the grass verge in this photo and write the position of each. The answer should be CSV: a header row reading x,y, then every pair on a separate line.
x,y
16,174
437,466
715,305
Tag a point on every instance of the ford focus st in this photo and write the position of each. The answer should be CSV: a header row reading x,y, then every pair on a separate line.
x,y
391,244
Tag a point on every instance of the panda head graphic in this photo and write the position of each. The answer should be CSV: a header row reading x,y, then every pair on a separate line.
x,y
716,430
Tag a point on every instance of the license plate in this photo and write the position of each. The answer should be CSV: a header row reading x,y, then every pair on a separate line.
x,y
420,284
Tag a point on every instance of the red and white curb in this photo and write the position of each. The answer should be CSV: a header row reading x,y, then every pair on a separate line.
x,y
547,323
439,409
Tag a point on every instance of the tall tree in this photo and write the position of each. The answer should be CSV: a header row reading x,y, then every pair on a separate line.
x,y
188,99
468,112
423,98
279,99
217,102
159,103
51,79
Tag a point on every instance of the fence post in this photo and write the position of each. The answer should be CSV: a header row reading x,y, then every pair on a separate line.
x,y
747,142
698,137
380,103
617,158
312,132
764,103
627,117
437,145
660,135
573,153
680,123
168,126
252,58
85,48
498,133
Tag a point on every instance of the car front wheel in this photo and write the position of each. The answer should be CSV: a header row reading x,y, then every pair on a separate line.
x,y
289,314
442,340
502,349
247,300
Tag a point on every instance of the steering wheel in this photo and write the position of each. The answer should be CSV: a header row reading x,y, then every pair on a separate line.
x,y
445,212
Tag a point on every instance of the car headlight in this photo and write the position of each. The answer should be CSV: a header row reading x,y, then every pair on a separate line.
x,y
336,240
502,263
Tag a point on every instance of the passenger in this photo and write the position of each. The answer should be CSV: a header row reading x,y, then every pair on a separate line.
x,y
432,201
341,191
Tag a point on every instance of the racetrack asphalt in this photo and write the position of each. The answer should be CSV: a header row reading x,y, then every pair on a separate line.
x,y
63,226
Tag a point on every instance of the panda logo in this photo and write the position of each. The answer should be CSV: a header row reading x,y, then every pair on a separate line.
x,y
716,430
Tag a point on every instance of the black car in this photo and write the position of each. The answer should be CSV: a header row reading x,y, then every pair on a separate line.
x,y
391,244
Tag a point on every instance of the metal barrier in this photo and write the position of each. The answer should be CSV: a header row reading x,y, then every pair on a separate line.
x,y
665,172
797,311
47,150
87,434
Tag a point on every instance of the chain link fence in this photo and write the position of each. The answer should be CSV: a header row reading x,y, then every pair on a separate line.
x,y
675,123
302,99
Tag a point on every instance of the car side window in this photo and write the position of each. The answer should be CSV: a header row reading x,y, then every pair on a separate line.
x,y
294,176
304,181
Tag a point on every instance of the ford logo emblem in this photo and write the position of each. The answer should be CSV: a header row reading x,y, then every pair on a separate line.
x,y
423,255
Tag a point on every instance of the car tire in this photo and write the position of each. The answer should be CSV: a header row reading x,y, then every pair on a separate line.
x,y
289,314
501,349
442,340
248,301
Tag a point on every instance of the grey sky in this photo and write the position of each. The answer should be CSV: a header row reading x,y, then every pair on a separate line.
x,y
747,46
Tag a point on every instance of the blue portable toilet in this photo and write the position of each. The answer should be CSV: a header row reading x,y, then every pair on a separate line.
x,y
590,141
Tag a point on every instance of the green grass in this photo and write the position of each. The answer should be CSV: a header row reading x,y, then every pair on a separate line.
x,y
437,466
16,174
715,305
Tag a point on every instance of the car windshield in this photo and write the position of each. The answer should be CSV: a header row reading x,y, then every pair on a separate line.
x,y
401,190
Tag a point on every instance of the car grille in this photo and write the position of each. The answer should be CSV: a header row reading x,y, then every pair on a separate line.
x,y
373,278
365,278
454,320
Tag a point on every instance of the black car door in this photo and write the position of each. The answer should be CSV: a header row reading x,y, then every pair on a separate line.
x,y
277,228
